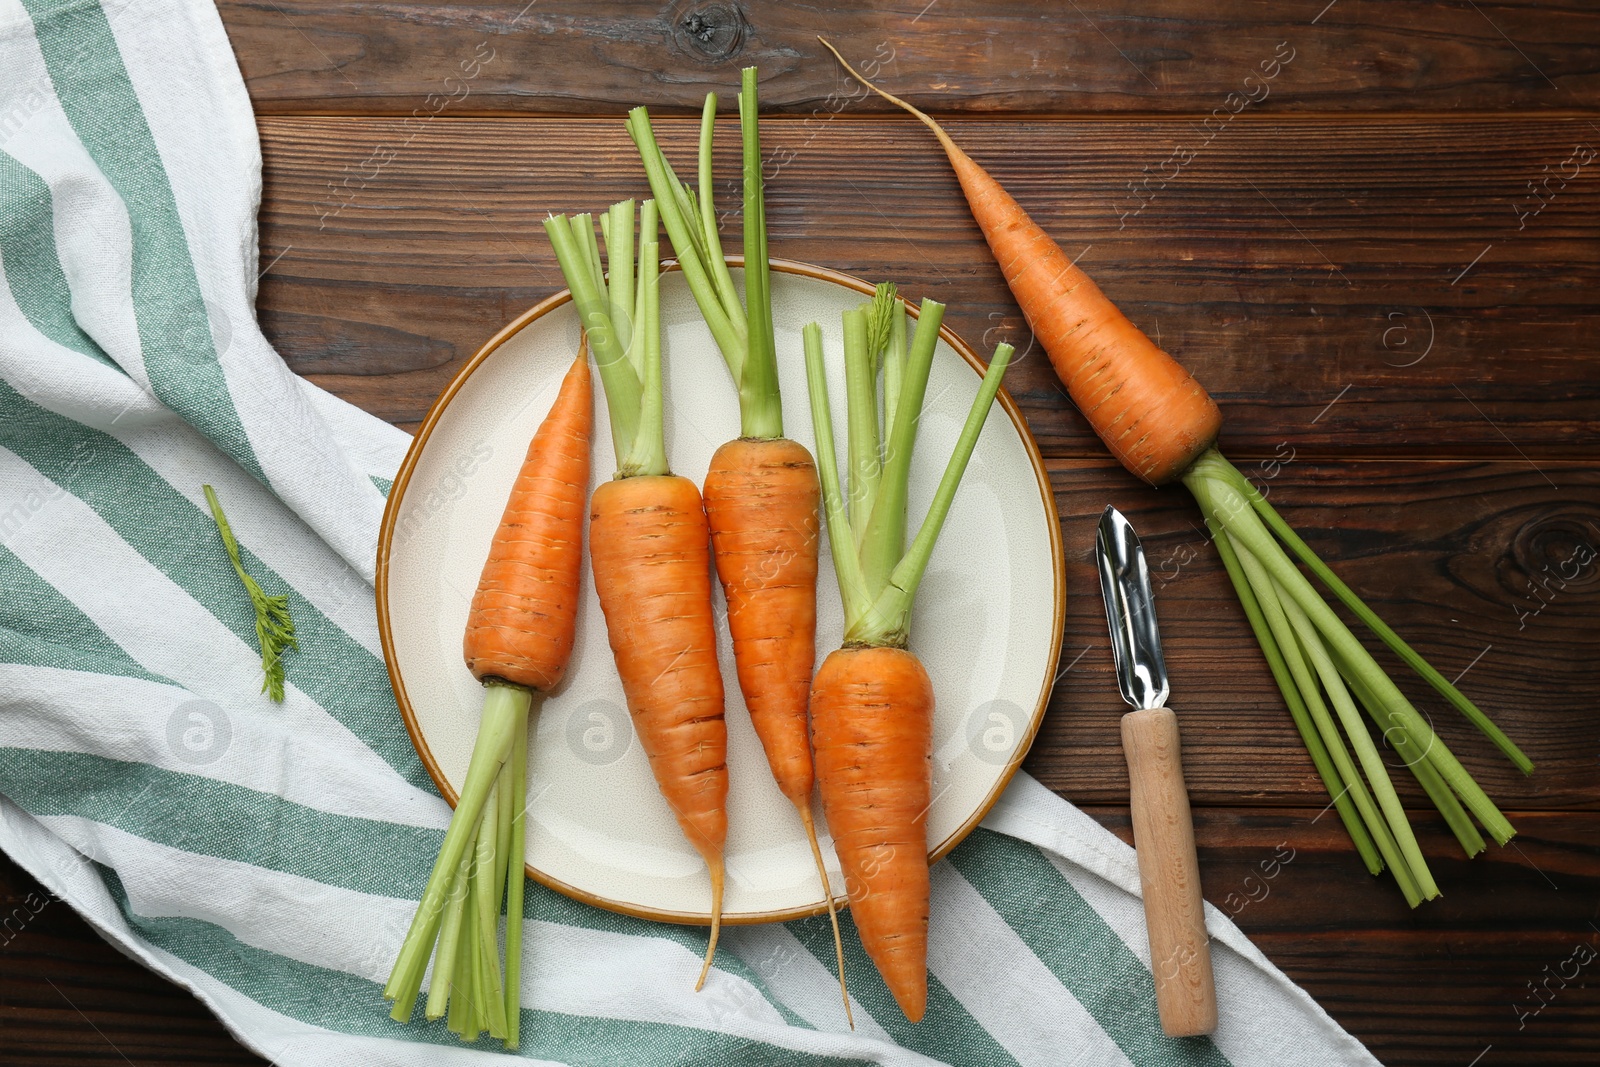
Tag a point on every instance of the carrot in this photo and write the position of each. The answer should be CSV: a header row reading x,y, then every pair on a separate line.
x,y
1154,417
649,540
649,546
1163,426
872,724
761,499
519,636
761,493
872,701
523,618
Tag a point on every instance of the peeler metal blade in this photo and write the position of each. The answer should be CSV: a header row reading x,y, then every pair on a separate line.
x,y
1130,612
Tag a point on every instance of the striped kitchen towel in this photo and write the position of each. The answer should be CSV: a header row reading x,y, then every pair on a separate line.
x,y
268,857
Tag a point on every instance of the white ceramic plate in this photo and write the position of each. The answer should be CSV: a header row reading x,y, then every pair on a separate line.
x,y
987,623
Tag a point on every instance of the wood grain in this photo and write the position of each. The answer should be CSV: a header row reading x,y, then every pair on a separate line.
x,y
1432,986
1291,265
68,998
561,56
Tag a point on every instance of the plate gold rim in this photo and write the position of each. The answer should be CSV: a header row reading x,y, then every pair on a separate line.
x,y
391,514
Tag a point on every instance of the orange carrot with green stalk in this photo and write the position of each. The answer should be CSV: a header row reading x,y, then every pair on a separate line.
x,y
1162,425
519,637
872,701
649,540
761,492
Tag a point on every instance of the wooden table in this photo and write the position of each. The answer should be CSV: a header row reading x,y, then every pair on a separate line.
x,y
1382,260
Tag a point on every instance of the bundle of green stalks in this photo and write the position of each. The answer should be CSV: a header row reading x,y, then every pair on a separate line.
x,y
1329,680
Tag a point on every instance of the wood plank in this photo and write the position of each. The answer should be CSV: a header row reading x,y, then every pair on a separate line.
x,y
1425,987
67,998
1438,984
1445,552
1292,264
992,55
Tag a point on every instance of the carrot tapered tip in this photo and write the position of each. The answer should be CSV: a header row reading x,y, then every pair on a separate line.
x,y
804,808
950,147
715,864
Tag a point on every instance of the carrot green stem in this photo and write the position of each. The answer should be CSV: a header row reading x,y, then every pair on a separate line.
x,y
617,227
1295,662
648,454
1208,477
459,988
1348,597
486,912
1294,657
449,942
590,297
486,889
880,324
274,628
629,372
761,414
743,330
502,706
1455,816
1416,759
1297,706
894,369
583,233
888,622
861,428
877,606
466,992
501,842
477,1019
905,387
841,543
682,229
709,247
516,882
1367,752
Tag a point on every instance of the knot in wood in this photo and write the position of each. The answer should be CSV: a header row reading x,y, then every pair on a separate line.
x,y
711,31
1561,550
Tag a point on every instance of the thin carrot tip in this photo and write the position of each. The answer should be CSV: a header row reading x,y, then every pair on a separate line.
x,y
716,923
711,952
833,910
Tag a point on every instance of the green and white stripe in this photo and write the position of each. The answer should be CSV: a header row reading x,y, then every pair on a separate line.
x,y
268,857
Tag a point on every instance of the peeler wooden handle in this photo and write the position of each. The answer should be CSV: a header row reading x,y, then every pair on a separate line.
x,y
1163,834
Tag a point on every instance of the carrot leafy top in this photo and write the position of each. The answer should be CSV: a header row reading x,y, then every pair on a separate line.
x,y
878,574
622,319
743,330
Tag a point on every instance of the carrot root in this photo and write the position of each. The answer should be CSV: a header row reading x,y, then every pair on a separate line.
x,y
1150,412
761,498
761,501
872,730
715,865
833,910
650,549
524,613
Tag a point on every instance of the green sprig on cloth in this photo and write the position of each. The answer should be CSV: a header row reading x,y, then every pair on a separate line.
x,y
274,628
